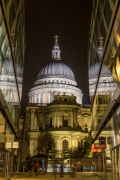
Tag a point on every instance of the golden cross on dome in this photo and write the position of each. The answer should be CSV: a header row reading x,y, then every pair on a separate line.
x,y
56,39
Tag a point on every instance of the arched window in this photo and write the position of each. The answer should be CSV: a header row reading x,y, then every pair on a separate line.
x,y
86,128
65,145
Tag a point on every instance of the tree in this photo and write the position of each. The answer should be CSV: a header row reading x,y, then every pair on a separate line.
x,y
46,142
86,149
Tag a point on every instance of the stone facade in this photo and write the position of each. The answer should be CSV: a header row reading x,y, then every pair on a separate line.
x,y
64,118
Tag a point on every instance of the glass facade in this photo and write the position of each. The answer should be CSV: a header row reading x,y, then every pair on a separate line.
x,y
6,152
12,47
104,78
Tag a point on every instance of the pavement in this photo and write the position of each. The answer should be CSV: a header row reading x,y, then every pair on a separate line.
x,y
78,176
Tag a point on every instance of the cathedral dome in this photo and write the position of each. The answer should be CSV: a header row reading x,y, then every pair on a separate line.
x,y
56,78
94,70
56,69
7,68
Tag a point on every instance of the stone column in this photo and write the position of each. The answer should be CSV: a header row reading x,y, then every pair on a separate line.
x,y
60,144
60,120
35,98
57,119
74,118
71,119
32,118
35,123
32,99
49,97
44,97
39,96
54,120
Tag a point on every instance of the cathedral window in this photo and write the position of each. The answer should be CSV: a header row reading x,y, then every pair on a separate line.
x,y
65,120
50,123
86,128
65,145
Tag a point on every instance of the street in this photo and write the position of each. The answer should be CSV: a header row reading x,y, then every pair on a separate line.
x,y
78,176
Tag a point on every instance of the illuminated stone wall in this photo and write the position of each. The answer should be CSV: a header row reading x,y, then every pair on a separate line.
x,y
64,118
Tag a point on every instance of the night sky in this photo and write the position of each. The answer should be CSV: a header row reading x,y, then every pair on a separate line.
x,y
70,20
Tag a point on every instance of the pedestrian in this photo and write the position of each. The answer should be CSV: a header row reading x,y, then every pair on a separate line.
x,y
42,166
31,168
36,167
61,170
73,171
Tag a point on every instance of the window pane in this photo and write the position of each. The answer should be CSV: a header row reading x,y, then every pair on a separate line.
x,y
107,12
1,16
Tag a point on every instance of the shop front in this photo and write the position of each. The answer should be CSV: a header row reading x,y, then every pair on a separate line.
x,y
8,149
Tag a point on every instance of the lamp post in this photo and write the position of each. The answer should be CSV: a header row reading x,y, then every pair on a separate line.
x,y
55,167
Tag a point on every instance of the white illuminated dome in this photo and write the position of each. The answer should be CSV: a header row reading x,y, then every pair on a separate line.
x,y
56,70
56,78
7,79
106,85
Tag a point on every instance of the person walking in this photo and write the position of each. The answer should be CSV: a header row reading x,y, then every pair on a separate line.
x,y
36,167
31,168
61,170
73,171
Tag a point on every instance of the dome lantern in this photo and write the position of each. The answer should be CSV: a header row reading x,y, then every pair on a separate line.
x,y
56,51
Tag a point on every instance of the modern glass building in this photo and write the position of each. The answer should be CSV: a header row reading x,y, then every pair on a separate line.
x,y
12,47
104,87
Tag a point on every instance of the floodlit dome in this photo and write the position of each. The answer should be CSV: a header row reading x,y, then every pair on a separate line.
x,y
94,70
56,69
7,68
56,78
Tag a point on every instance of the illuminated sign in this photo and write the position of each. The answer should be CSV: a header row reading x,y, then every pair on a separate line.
x,y
96,146
96,150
